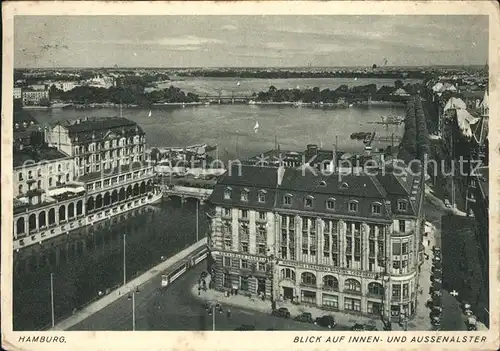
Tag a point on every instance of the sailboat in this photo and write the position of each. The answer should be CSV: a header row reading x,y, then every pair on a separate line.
x,y
150,114
238,84
256,127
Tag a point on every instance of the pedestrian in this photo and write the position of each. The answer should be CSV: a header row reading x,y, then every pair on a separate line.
x,y
228,313
199,290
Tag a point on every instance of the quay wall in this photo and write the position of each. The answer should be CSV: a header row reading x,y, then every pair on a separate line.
x,y
124,289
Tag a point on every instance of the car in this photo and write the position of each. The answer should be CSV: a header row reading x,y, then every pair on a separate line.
x,y
327,321
447,203
281,312
244,327
369,327
304,317
358,327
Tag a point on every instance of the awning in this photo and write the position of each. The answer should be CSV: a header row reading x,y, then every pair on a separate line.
x,y
235,286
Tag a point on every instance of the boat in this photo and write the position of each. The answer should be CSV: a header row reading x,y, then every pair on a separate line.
x,y
60,105
360,135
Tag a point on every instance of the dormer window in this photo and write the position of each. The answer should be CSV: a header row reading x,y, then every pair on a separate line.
x,y
344,185
330,204
322,183
244,195
262,196
227,193
287,200
376,208
353,206
402,205
309,200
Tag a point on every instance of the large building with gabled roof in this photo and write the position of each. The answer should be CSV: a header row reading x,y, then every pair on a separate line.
x,y
348,243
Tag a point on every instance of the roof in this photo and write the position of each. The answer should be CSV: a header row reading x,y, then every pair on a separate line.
x,y
299,184
21,116
28,153
100,127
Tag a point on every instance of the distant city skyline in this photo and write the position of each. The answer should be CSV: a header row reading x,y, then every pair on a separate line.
x,y
249,41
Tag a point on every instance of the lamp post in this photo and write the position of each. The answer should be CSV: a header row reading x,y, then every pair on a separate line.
x,y
52,298
131,296
197,219
270,263
124,259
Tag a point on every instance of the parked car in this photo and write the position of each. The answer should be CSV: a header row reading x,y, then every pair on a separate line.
x,y
358,327
327,321
471,324
447,203
305,317
436,250
281,312
369,327
244,327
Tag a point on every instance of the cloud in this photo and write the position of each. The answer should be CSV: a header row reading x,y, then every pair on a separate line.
x,y
229,27
187,40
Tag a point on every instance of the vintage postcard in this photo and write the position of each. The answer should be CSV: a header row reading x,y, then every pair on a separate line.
x,y
250,175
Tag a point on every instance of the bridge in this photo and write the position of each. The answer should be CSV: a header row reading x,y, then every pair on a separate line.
x,y
185,192
225,99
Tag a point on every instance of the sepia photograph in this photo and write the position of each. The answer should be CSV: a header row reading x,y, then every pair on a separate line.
x,y
318,174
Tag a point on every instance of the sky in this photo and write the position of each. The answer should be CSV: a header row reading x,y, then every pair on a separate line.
x,y
249,41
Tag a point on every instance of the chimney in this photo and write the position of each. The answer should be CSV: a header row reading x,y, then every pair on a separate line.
x,y
281,174
333,165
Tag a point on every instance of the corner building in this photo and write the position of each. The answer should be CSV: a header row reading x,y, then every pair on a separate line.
x,y
341,243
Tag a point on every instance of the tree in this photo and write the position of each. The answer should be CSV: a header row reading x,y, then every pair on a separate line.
x,y
398,84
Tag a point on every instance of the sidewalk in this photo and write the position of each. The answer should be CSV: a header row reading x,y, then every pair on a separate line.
x,y
123,290
257,304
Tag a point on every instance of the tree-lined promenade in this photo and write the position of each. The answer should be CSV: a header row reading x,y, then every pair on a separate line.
x,y
415,143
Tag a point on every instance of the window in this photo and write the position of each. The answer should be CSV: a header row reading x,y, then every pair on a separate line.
x,y
287,200
405,249
330,282
20,177
344,185
244,214
40,172
30,174
244,283
353,206
376,209
308,278
228,244
262,249
395,264
405,290
244,247
262,216
226,212
227,194
396,291
331,301
243,264
309,201
262,233
227,262
330,204
352,285
375,289
261,266
352,304
262,196
244,195
402,226
402,205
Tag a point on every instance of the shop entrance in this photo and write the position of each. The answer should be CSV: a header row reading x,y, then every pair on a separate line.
x,y
288,293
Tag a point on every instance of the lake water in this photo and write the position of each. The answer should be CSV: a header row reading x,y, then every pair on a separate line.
x,y
91,260
231,126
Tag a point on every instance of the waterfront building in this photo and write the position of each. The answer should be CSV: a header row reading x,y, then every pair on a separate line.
x,y
17,93
349,243
34,97
99,144
80,174
65,85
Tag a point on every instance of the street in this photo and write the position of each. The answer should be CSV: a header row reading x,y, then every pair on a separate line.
x,y
452,317
175,308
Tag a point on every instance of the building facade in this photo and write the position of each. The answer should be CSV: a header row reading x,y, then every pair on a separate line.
x,y
90,171
17,93
99,144
34,97
351,245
